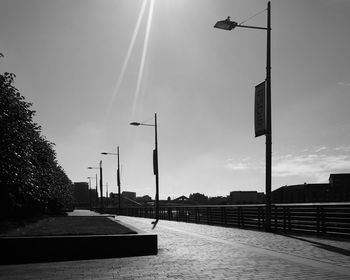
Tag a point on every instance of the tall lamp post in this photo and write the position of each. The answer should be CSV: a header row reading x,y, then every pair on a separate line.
x,y
229,25
96,197
101,192
118,176
155,162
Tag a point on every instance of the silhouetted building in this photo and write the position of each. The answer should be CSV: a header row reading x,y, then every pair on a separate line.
x,y
340,187
303,193
130,195
338,190
81,194
217,200
246,197
127,199
197,198
339,180
93,197
113,195
181,199
143,199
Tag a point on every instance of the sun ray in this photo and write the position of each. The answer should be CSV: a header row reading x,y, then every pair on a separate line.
x,y
127,58
143,59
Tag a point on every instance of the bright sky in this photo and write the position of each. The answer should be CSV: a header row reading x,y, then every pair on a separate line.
x,y
90,67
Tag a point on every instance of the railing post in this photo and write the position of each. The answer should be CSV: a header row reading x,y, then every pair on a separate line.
x,y
289,219
221,216
318,218
239,216
323,219
276,224
242,216
284,219
208,213
225,215
235,218
169,214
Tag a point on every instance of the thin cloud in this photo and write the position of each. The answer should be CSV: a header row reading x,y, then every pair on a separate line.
x,y
320,149
344,84
316,166
343,148
244,164
297,166
238,166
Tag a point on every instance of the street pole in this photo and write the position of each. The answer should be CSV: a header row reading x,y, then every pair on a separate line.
x,y
96,196
229,25
89,191
156,167
268,120
118,182
118,178
107,194
155,164
101,191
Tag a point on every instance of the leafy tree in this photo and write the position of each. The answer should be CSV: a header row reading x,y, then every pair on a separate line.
x,y
198,198
218,200
31,180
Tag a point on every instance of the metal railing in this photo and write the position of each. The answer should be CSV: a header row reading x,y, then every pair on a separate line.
x,y
322,219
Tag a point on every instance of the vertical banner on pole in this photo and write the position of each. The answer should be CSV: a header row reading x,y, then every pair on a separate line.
x,y
118,178
260,109
155,162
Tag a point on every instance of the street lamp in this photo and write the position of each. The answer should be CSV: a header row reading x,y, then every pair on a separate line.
x,y
229,25
118,176
101,195
155,163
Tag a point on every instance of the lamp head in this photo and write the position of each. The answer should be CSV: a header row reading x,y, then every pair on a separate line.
x,y
104,153
135,123
226,24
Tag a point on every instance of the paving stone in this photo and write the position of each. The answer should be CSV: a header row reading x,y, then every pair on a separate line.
x,y
192,251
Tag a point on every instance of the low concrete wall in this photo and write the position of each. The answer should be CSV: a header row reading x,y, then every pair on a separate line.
x,y
65,248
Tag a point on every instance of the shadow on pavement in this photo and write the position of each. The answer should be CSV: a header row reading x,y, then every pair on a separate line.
x,y
321,245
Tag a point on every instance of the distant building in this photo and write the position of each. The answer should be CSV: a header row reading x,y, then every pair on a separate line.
x,y
127,199
303,193
113,195
94,197
130,195
218,200
340,187
181,198
145,198
81,193
246,197
339,180
338,190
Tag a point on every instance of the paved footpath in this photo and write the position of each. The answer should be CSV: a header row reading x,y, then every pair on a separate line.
x,y
191,251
